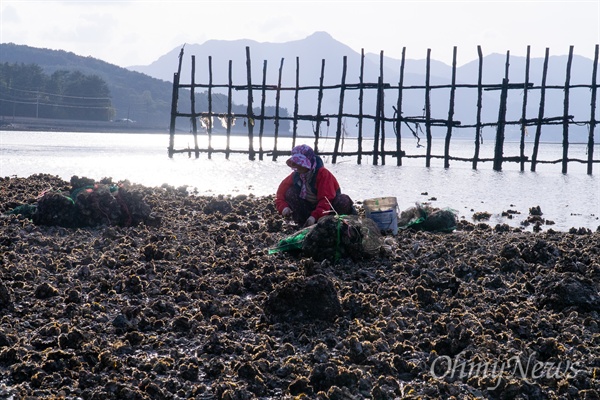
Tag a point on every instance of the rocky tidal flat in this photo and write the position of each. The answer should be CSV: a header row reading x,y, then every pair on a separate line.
x,y
169,295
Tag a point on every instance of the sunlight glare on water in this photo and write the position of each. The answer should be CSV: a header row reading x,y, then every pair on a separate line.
x,y
570,200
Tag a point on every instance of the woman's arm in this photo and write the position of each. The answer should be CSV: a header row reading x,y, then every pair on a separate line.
x,y
280,202
327,187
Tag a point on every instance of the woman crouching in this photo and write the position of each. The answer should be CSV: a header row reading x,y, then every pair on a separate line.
x,y
311,191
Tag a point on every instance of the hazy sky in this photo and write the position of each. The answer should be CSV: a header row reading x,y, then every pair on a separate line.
x,y
138,32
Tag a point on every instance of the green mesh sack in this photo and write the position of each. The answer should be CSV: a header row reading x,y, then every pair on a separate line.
x,y
26,210
341,236
334,237
428,218
292,242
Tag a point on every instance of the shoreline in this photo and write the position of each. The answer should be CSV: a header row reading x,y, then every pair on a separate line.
x,y
196,307
512,218
59,125
39,124
12,124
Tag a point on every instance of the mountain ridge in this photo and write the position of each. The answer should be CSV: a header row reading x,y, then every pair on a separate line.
x,y
319,49
309,54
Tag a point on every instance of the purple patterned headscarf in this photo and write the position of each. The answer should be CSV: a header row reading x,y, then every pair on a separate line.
x,y
303,156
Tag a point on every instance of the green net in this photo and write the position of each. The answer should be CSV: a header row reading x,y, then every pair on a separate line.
x,y
26,210
335,237
292,242
423,217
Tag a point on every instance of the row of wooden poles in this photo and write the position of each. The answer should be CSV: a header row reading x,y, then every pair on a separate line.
x,y
379,151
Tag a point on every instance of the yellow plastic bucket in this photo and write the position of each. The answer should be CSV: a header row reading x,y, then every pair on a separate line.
x,y
384,211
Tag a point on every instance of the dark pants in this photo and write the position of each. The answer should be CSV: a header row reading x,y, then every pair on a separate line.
x,y
301,208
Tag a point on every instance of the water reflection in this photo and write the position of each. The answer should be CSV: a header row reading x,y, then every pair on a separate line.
x,y
571,199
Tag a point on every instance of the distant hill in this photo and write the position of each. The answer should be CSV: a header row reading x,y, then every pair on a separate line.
x,y
143,93
135,96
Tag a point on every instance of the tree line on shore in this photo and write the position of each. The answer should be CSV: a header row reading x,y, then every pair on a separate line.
x,y
26,91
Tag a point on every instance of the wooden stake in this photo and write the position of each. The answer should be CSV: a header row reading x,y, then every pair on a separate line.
x,y
210,113
428,109
590,147
360,105
538,131
399,111
499,147
565,157
382,109
250,112
262,111
296,92
174,97
479,105
450,112
524,111
174,100
319,102
193,108
338,132
377,122
277,99
229,116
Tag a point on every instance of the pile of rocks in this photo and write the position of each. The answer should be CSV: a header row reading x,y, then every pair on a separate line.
x,y
196,307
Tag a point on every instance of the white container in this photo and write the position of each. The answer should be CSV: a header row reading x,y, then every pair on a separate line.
x,y
384,211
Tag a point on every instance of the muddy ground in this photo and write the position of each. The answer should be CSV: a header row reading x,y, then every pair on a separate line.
x,y
174,296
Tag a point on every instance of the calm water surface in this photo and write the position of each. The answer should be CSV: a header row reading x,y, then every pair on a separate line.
x,y
570,200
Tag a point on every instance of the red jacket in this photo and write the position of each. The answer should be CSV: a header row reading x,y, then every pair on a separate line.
x,y
327,187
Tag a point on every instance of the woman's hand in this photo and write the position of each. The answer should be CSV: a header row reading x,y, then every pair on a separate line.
x,y
286,213
310,221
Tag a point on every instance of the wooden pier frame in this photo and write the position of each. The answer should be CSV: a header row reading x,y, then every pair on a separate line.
x,y
256,118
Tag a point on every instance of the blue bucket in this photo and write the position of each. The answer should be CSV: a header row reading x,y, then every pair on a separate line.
x,y
384,211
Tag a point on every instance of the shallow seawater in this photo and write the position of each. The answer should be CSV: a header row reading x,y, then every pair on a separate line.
x,y
570,200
